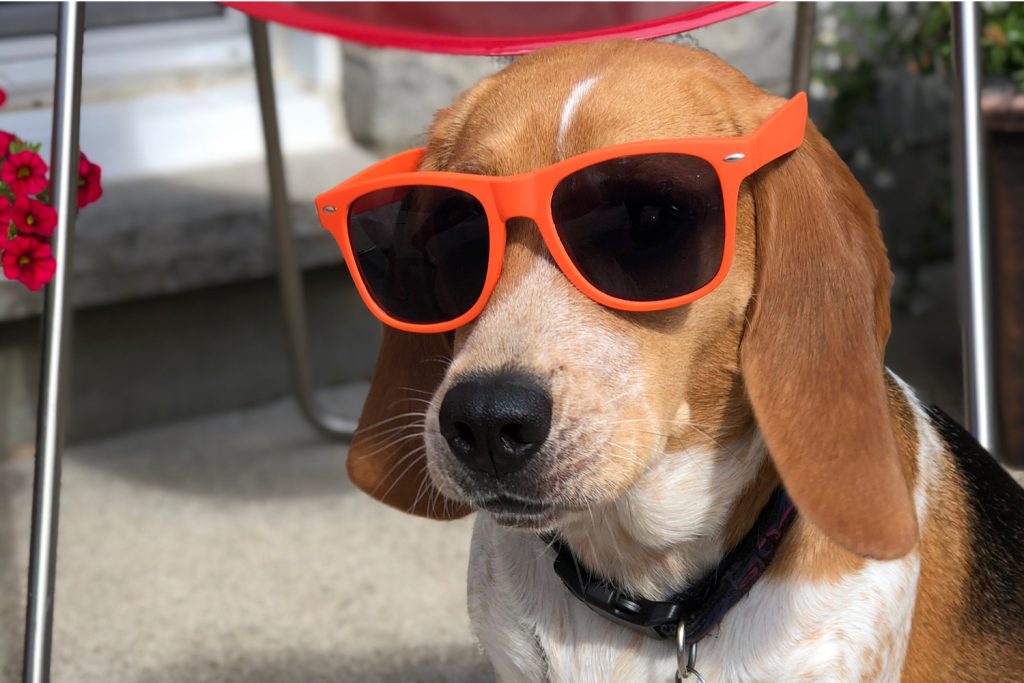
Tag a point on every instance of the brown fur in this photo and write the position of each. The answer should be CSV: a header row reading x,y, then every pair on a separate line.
x,y
385,456
791,343
813,380
940,600
813,369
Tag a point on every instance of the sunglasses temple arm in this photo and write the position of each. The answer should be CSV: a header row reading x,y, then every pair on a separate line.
x,y
783,132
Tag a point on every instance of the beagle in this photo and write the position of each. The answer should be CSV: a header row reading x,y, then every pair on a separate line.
x,y
643,447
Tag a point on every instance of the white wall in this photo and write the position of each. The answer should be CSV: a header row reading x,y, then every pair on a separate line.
x,y
169,97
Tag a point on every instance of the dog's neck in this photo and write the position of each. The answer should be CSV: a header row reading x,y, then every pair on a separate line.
x,y
685,512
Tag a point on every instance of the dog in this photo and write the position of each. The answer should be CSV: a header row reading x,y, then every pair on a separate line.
x,y
659,439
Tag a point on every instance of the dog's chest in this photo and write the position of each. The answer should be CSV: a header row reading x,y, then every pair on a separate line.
x,y
534,631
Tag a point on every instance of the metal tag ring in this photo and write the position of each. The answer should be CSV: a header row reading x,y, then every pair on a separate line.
x,y
686,657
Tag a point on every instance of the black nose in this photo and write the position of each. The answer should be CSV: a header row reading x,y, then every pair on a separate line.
x,y
496,423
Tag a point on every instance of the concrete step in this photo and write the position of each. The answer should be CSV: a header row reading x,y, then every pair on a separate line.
x,y
177,314
177,356
208,226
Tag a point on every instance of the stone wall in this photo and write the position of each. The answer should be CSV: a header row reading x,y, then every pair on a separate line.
x,y
391,95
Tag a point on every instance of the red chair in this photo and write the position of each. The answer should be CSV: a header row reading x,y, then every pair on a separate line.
x,y
459,28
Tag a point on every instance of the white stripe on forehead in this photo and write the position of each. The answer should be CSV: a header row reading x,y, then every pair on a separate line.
x,y
579,91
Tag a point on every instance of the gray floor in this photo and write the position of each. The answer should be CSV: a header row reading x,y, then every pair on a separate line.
x,y
233,549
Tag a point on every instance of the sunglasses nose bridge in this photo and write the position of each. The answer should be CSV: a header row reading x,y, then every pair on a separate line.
x,y
515,197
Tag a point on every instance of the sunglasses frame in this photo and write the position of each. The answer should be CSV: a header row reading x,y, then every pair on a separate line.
x,y
529,195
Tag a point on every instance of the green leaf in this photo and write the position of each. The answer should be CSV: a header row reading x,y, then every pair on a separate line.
x,y
18,145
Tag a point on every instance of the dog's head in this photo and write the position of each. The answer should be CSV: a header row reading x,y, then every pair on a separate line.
x,y
549,404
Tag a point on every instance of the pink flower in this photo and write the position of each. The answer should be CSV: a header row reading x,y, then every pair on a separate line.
x,y
3,97
89,188
33,217
5,142
29,261
24,173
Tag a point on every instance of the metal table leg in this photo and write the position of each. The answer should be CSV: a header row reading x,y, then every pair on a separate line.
x,y
55,373
803,39
288,273
973,238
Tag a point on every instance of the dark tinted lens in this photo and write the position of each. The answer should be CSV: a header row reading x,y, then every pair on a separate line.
x,y
422,250
645,227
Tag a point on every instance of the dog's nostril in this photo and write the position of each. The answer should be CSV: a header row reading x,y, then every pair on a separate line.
x,y
518,437
463,438
462,431
511,436
496,423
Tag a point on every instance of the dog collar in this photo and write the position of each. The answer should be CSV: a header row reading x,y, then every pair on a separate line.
x,y
699,608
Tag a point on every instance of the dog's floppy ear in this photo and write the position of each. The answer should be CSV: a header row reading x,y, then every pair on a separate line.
x,y
812,356
386,458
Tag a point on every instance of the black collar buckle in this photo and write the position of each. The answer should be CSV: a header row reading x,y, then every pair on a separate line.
x,y
654,619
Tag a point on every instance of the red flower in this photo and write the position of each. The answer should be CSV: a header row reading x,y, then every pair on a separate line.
x,y
3,97
32,216
5,220
5,142
29,261
89,188
24,173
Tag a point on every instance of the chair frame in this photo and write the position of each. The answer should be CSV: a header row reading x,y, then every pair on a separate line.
x,y
973,248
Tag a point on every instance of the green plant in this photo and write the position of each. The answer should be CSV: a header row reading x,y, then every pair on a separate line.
x,y
866,57
1003,41
919,35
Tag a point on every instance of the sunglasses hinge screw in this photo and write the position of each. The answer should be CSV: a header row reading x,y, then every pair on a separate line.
x,y
329,209
737,156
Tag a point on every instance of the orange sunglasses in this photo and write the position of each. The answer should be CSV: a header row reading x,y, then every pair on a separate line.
x,y
641,226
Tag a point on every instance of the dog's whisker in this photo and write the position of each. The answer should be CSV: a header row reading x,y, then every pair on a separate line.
x,y
383,436
384,433
369,429
415,390
420,400
628,392
641,419
390,445
419,454
405,456
703,433
424,489
628,456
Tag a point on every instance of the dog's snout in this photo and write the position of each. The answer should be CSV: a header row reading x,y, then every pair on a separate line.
x,y
495,424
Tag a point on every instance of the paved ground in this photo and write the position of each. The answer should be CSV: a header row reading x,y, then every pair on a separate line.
x,y
232,549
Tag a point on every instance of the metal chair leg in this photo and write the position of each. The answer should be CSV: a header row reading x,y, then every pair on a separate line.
x,y
288,273
803,40
973,236
55,372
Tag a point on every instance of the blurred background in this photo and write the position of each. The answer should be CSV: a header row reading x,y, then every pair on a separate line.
x,y
207,533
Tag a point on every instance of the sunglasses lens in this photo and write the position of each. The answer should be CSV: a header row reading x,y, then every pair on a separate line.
x,y
643,228
422,250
